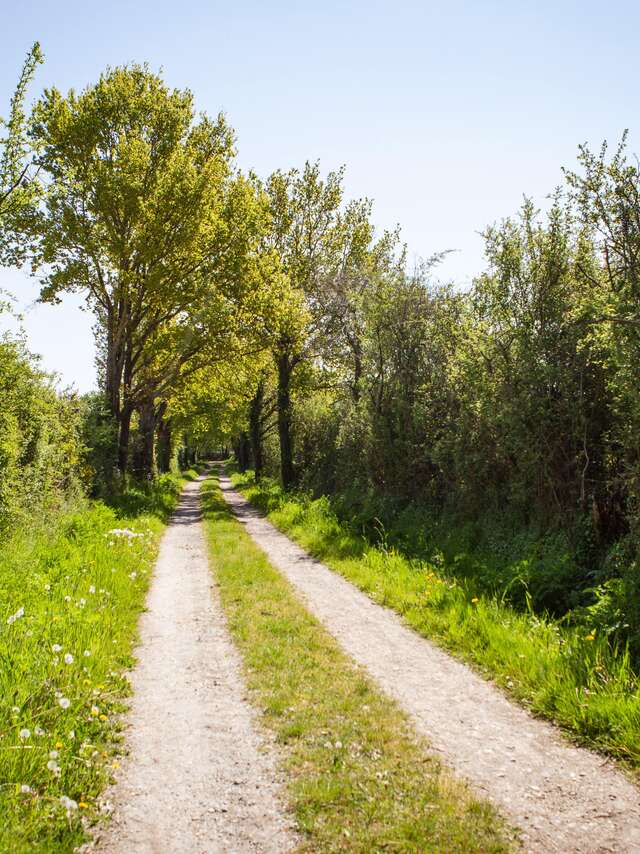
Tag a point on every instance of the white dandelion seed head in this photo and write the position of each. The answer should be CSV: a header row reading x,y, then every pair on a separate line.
x,y
15,709
56,647
68,658
47,587
83,602
25,790
92,589
25,733
52,765
64,703
39,731
67,598
72,734
133,574
68,803
53,754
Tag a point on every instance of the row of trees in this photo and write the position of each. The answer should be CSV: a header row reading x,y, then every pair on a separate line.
x,y
269,313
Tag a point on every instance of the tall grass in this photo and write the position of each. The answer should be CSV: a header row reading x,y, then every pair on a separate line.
x,y
71,589
568,674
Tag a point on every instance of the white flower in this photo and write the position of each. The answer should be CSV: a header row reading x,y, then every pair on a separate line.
x,y
95,711
47,587
64,703
19,613
68,658
86,653
56,647
39,731
52,765
25,790
133,574
29,633
15,709
67,598
25,733
72,734
53,754
68,803
83,602
92,589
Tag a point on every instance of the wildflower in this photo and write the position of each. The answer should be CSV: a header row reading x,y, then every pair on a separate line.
x,y
82,603
15,709
82,805
92,589
590,637
64,703
72,734
56,647
39,731
24,733
59,744
47,587
19,613
104,718
68,658
133,574
53,754
25,790
52,765
95,711
68,803
86,653
67,598
475,600
115,764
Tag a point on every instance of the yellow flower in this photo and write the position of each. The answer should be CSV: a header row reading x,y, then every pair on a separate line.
x,y
590,637
86,681
104,718
82,805
115,765
475,600
59,744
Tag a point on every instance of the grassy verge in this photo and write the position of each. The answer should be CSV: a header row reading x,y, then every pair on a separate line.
x,y
70,595
569,675
358,778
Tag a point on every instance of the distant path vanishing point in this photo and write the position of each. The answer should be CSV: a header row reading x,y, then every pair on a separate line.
x,y
197,779
562,798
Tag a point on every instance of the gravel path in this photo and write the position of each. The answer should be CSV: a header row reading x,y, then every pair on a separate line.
x,y
563,798
197,778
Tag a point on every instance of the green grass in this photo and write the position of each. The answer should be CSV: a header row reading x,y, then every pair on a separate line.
x,y
358,778
77,591
569,675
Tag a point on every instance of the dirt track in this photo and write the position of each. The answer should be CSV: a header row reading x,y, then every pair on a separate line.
x,y
563,798
198,778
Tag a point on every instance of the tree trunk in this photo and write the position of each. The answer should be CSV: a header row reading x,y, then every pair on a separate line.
x,y
124,431
165,441
255,430
287,474
242,451
147,431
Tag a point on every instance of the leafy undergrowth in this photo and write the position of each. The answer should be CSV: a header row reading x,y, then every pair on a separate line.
x,y
569,675
71,591
358,779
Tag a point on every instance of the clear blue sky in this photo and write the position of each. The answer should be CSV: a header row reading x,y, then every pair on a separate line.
x,y
444,113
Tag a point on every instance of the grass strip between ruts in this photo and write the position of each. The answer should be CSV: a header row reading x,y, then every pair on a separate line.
x,y
357,777
556,671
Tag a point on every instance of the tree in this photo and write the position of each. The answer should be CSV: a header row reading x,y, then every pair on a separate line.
x,y
19,188
133,213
